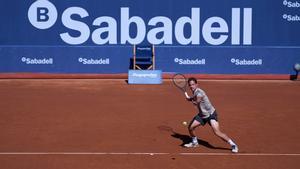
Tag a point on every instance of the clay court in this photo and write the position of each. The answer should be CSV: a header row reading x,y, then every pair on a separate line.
x,y
94,123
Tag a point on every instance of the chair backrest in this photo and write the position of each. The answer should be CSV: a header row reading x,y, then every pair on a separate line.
x,y
143,57
144,51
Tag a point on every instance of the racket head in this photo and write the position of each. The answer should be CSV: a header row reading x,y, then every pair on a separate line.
x,y
180,81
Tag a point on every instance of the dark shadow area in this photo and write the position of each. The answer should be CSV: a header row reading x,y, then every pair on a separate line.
x,y
294,77
187,139
130,63
142,66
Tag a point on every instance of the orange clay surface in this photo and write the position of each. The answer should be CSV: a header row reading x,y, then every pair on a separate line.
x,y
95,124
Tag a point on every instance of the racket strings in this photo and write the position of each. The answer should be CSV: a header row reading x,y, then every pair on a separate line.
x,y
180,81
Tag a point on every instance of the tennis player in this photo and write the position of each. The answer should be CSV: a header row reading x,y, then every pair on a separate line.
x,y
207,114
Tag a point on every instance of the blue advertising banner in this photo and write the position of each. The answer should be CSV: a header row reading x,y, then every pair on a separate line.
x,y
228,60
96,36
65,59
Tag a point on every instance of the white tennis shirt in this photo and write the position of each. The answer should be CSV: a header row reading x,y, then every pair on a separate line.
x,y
205,107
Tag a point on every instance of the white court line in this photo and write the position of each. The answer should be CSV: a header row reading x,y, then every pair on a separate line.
x,y
137,153
241,154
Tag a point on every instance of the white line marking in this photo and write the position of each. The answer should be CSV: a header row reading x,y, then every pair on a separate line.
x,y
137,153
241,154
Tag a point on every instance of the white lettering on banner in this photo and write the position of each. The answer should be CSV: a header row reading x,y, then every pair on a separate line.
x,y
111,30
35,61
42,14
194,22
245,62
247,25
145,75
75,25
86,61
291,4
215,30
189,61
125,25
291,18
166,30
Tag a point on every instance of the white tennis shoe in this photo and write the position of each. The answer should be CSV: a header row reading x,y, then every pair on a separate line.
x,y
234,149
191,144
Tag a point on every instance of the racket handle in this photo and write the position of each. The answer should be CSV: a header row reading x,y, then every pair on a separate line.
x,y
186,95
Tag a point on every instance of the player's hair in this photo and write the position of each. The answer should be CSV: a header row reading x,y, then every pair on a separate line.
x,y
192,79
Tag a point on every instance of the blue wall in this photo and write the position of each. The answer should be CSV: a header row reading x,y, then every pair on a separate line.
x,y
96,36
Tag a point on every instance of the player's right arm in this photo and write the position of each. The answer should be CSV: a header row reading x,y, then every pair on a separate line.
x,y
197,99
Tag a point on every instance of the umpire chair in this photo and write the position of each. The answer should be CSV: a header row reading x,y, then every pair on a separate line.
x,y
144,57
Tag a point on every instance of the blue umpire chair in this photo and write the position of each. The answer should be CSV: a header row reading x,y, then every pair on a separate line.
x,y
143,57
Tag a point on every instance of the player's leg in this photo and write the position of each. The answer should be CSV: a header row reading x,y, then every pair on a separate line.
x,y
192,126
216,129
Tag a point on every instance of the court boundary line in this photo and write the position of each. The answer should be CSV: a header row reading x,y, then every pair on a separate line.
x,y
149,153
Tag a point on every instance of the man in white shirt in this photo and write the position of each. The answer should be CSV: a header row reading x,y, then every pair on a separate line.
x,y
207,114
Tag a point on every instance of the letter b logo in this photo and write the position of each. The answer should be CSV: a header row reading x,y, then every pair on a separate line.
x,y
42,14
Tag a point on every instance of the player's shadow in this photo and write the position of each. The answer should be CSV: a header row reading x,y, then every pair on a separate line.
x,y
187,139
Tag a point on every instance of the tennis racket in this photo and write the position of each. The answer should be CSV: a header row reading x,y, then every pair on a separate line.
x,y
180,81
